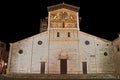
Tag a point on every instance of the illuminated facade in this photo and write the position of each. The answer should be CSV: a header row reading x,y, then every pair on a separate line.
x,y
61,48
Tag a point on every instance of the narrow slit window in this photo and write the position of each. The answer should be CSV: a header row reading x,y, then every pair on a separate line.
x,y
58,34
68,34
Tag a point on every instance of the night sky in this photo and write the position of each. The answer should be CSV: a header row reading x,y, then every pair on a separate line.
x,y
21,19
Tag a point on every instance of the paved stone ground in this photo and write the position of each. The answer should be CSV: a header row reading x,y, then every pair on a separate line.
x,y
60,77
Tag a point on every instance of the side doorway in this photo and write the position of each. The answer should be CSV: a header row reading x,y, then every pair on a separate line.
x,y
42,68
84,67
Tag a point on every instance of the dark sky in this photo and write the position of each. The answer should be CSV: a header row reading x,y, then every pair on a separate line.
x,y
20,19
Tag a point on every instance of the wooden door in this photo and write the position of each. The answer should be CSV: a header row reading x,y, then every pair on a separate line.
x,y
63,66
42,67
84,67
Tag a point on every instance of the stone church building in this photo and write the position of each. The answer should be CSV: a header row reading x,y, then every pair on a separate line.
x,y
116,47
61,48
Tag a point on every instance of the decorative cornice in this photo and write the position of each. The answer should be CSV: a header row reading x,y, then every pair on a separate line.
x,y
63,5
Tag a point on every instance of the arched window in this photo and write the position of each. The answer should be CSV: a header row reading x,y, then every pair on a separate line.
x,y
68,34
58,34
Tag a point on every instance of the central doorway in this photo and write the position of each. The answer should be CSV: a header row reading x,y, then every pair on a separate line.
x,y
63,66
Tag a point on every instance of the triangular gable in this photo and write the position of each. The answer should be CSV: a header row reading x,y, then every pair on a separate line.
x,y
63,5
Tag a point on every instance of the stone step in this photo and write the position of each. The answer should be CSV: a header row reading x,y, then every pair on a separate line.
x,y
60,77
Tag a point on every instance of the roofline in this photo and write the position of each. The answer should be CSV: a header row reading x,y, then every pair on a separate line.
x,y
117,37
63,5
28,38
103,39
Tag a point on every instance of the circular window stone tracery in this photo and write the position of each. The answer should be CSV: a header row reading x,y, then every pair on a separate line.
x,y
20,51
87,42
39,42
105,53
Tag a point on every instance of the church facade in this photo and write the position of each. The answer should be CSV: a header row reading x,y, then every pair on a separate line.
x,y
61,48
